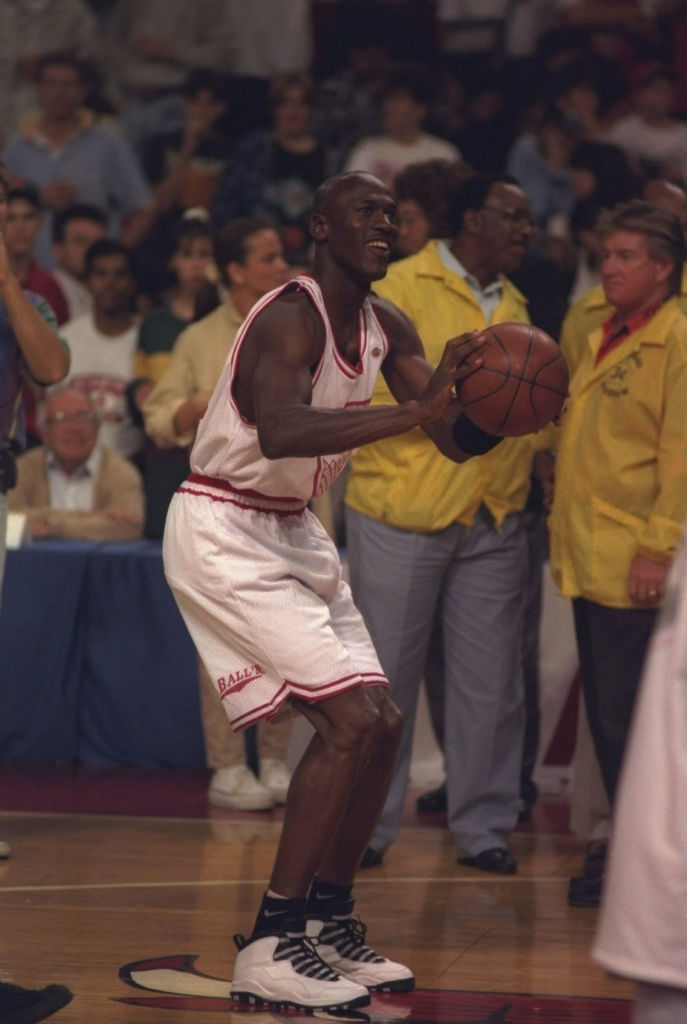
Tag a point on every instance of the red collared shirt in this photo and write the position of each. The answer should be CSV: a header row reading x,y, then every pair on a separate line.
x,y
614,333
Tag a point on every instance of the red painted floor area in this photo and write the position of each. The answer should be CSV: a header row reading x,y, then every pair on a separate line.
x,y
174,793
422,1006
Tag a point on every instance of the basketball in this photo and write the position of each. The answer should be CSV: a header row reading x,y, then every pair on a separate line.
x,y
521,385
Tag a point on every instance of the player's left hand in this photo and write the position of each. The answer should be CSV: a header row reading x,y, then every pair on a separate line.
x,y
647,582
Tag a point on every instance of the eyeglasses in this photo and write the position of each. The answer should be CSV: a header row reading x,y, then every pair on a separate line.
x,y
515,215
67,417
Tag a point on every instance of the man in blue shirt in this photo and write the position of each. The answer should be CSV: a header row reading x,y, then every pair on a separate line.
x,y
69,158
29,347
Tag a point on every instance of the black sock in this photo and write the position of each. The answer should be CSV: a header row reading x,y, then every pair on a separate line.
x,y
327,900
279,915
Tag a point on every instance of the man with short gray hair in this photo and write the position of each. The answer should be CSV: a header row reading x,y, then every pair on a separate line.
x,y
619,505
71,486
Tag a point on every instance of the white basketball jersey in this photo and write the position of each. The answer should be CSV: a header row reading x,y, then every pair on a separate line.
x,y
227,447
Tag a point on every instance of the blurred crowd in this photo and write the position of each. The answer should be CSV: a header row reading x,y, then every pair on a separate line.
x,y
162,160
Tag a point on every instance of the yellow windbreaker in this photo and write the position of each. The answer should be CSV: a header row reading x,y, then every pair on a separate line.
x,y
589,312
405,481
621,468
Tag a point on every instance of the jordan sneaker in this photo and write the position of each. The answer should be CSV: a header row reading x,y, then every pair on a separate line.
x,y
285,970
340,942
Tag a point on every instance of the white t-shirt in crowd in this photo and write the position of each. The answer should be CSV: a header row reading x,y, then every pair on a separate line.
x,y
664,145
79,299
103,366
384,157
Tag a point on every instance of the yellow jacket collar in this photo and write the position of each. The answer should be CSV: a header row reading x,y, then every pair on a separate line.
x,y
430,264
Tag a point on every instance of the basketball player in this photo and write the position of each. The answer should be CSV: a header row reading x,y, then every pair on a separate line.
x,y
258,580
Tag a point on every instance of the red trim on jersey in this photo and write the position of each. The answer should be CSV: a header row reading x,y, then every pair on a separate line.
x,y
318,473
348,369
385,336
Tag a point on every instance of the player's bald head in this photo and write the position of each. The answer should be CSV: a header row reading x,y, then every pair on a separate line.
x,y
330,192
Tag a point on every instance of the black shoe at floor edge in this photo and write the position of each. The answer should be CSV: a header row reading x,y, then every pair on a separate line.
x,y
433,802
27,1006
497,860
595,858
372,858
585,891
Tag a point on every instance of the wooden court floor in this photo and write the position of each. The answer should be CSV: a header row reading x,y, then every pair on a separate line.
x,y
127,888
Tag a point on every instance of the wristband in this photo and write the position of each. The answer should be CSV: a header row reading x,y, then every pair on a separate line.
x,y
470,438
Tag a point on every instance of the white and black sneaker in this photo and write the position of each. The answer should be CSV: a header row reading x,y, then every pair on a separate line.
x,y
285,970
340,942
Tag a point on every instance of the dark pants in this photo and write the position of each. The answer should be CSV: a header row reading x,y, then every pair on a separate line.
x,y
612,645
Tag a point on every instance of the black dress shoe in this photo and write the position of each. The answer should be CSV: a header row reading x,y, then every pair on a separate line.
x,y
372,858
497,859
585,891
595,859
434,802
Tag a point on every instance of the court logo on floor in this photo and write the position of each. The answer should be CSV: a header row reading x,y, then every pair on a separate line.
x,y
175,983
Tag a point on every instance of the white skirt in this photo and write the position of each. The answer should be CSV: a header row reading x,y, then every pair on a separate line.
x,y
263,598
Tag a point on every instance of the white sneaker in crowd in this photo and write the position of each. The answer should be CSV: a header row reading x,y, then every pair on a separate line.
x,y
285,970
275,776
238,789
340,942
4,850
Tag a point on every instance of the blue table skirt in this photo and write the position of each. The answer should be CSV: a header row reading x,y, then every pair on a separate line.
x,y
96,664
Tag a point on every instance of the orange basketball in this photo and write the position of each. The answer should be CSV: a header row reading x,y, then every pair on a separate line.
x,y
521,385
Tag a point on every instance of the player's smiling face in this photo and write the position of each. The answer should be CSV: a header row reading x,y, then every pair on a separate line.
x,y
363,227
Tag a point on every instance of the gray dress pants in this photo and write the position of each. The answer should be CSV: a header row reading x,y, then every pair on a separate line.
x,y
478,576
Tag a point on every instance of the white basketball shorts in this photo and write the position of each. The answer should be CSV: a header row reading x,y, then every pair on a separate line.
x,y
262,596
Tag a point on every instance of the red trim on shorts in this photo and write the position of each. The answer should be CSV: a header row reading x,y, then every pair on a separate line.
x,y
224,485
264,711
240,504
245,499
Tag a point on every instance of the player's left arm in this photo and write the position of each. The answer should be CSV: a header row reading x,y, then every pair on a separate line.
x,y
409,375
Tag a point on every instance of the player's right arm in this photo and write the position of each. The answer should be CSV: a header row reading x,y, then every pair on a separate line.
x,y
273,387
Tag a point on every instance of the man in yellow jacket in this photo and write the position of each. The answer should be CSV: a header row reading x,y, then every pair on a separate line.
x,y
620,492
593,308
424,533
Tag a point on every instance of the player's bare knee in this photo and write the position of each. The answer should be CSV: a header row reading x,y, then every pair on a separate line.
x,y
392,720
356,726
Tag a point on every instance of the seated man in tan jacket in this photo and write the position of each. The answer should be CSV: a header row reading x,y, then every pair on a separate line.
x,y
71,486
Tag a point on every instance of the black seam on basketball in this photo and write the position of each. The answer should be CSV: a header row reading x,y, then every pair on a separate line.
x,y
530,346
487,394
511,404
500,344
507,376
